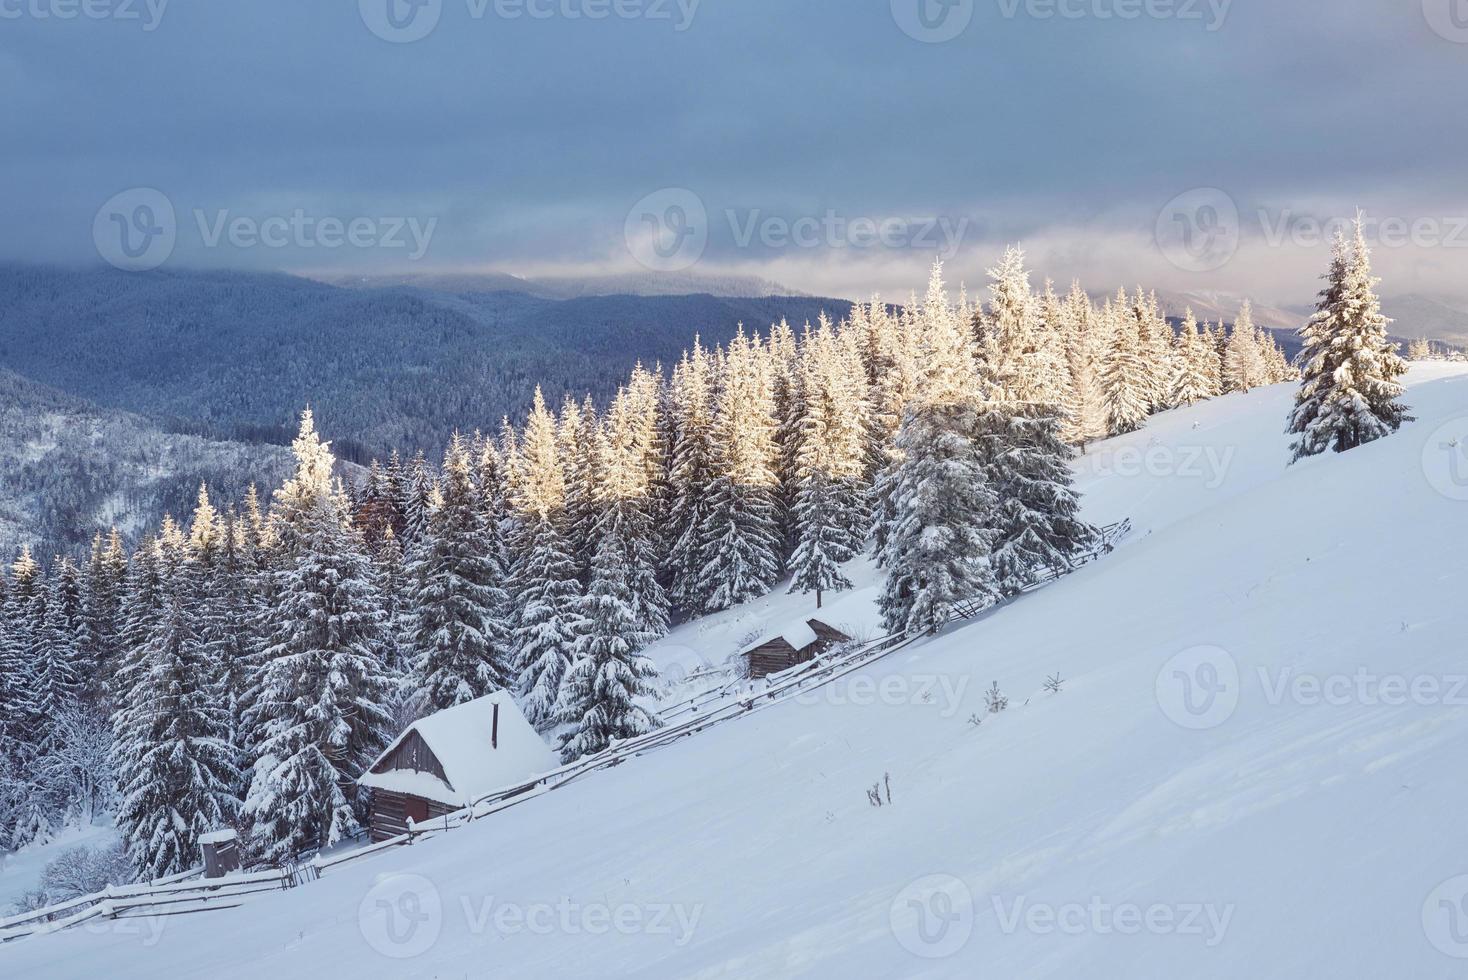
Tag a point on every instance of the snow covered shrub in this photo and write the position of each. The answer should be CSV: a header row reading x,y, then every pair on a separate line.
x,y
995,701
83,870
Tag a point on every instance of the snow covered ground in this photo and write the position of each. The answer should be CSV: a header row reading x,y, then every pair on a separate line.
x,y
20,871
1254,768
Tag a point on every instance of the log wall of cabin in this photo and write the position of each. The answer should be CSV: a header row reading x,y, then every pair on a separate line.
x,y
390,813
771,658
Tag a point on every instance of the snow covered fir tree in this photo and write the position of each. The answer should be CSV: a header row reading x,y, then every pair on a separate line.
x,y
242,668
1349,393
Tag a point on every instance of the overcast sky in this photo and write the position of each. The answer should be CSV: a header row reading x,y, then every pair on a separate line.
x,y
833,145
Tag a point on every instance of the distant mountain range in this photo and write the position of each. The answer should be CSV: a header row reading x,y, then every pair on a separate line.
x,y
568,287
1413,315
385,364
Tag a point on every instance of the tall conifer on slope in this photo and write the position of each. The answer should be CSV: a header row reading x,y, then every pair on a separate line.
x,y
741,537
895,389
460,638
1190,379
1212,360
627,509
492,483
1349,391
575,439
1085,417
25,605
59,676
783,353
937,549
1035,521
1124,378
1052,384
15,642
830,509
233,634
323,701
103,585
173,752
598,695
1243,362
692,476
545,589
418,490
398,622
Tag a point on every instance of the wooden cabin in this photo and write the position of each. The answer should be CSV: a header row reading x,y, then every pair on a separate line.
x,y
448,760
798,643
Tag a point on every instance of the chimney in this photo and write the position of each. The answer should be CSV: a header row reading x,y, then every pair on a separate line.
x,y
494,732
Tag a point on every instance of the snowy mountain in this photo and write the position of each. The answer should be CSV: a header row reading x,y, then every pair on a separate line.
x,y
1216,306
236,355
1436,318
571,287
70,469
1251,769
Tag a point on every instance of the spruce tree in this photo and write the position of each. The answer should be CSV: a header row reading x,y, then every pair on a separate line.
x,y
546,591
1190,379
741,536
1035,522
692,476
937,548
1243,362
102,596
830,505
172,751
1125,377
1349,391
322,708
459,605
1085,347
598,695
627,509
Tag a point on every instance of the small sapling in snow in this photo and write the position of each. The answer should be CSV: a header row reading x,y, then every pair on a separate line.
x,y
996,701
1052,684
874,795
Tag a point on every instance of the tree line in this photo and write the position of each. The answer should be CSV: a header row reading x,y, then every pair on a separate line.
x,y
244,666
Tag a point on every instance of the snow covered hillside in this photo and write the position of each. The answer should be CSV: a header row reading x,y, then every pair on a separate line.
x,y
1253,768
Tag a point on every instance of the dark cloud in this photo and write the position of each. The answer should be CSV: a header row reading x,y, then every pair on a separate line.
x,y
528,138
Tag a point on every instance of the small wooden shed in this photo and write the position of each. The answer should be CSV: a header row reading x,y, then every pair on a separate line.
x,y
446,761
797,643
221,850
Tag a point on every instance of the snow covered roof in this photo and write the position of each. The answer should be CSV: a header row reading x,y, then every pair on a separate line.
x,y
219,837
462,739
798,633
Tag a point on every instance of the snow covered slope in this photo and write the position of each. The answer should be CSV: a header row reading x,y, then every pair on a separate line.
x,y
1254,768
